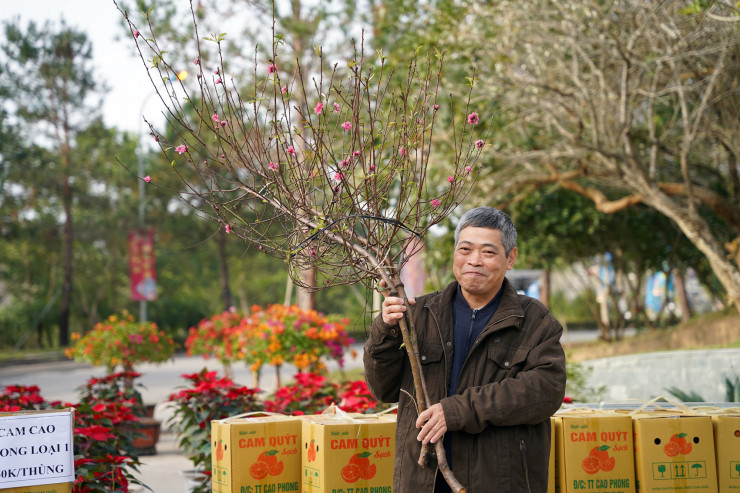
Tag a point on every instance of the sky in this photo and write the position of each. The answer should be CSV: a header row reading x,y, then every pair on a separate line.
x,y
129,89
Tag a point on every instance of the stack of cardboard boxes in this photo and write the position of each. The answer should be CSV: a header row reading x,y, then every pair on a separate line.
x,y
328,453
652,451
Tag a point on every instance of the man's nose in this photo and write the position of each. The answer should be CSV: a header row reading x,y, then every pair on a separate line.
x,y
475,258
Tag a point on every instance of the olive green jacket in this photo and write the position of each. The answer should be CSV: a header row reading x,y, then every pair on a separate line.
x,y
512,381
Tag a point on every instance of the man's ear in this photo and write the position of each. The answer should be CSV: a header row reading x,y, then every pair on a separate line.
x,y
511,259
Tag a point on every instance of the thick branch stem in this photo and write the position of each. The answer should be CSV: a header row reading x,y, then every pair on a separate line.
x,y
420,387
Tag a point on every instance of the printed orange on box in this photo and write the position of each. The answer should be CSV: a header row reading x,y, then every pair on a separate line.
x,y
594,453
727,451
674,452
348,453
259,454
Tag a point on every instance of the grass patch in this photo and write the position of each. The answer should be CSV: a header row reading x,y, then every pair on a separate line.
x,y
349,375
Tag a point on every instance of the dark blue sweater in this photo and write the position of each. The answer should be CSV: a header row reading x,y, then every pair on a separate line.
x,y
468,324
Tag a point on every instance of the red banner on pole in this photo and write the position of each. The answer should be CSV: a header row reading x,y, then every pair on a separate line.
x,y
141,265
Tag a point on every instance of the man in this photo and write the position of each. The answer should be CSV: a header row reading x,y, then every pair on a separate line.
x,y
493,365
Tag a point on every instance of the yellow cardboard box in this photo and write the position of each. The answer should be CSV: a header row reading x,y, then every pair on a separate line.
x,y
674,452
727,451
258,454
551,470
44,488
594,453
351,454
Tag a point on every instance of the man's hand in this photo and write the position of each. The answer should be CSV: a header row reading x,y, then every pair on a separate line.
x,y
393,307
432,423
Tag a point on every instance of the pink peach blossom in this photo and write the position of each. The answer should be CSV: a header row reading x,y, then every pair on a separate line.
x,y
181,149
435,202
147,178
273,166
473,118
271,69
291,150
318,108
347,126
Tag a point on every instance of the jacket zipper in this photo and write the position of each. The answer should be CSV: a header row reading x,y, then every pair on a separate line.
x,y
470,330
523,448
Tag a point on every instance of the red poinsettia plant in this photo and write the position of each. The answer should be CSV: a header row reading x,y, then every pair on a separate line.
x,y
207,397
312,393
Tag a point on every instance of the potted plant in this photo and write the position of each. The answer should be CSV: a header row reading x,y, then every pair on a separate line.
x,y
216,337
120,341
206,397
282,333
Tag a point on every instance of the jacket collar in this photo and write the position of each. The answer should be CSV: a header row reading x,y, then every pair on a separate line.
x,y
441,306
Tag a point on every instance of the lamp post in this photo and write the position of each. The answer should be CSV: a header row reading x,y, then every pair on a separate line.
x,y
142,203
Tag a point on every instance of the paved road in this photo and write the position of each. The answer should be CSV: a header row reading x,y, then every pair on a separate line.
x,y
162,472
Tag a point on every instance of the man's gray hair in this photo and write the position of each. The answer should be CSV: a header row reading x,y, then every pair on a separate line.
x,y
488,217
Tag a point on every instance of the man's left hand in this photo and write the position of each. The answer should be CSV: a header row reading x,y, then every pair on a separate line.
x,y
432,423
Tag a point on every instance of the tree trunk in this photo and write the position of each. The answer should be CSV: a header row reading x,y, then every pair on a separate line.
x,y
306,297
699,233
679,283
225,290
545,287
68,240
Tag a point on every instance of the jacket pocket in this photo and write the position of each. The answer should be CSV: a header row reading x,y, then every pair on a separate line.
x,y
429,354
507,358
430,357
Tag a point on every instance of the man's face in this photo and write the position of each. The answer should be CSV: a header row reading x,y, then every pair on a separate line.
x,y
480,264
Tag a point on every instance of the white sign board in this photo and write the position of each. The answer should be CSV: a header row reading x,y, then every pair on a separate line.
x,y
36,449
